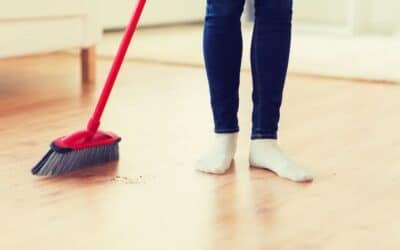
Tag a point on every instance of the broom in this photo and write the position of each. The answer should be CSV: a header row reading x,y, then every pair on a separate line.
x,y
90,146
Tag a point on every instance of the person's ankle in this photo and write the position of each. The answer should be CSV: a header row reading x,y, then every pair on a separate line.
x,y
220,155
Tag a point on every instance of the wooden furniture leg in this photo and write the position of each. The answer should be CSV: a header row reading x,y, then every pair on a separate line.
x,y
88,65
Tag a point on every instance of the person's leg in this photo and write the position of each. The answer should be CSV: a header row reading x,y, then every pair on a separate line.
x,y
269,57
223,56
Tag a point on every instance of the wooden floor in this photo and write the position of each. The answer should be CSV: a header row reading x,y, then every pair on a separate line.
x,y
346,132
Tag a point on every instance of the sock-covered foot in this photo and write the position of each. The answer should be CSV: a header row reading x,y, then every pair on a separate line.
x,y
220,155
267,154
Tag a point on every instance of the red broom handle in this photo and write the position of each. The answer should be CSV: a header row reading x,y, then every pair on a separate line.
x,y
94,121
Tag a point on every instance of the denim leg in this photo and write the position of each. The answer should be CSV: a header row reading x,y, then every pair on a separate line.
x,y
222,45
269,58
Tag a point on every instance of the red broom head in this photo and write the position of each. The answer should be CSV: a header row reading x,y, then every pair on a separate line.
x,y
78,150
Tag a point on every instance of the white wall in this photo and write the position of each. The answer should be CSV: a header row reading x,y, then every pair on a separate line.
x,y
380,16
323,12
377,16
115,14
385,15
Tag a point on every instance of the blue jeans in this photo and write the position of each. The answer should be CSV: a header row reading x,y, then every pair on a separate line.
x,y
269,61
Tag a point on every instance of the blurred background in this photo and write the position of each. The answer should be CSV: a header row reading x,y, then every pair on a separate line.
x,y
347,16
356,39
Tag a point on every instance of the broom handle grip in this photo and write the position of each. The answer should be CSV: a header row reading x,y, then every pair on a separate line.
x,y
94,121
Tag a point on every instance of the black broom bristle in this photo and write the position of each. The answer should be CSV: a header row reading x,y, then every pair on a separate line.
x,y
59,161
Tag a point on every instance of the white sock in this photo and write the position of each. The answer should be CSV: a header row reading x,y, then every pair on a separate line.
x,y
267,154
219,158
